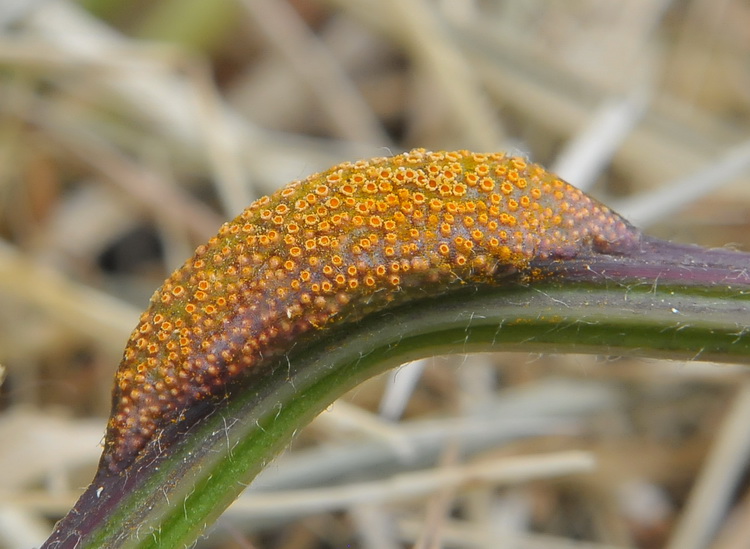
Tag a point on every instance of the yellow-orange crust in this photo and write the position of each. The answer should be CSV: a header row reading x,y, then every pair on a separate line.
x,y
332,248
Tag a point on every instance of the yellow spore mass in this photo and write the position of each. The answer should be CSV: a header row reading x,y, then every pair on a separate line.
x,y
331,249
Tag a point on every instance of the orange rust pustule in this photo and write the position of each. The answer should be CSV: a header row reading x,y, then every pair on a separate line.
x,y
332,248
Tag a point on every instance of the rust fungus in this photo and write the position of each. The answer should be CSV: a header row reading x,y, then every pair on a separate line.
x,y
404,226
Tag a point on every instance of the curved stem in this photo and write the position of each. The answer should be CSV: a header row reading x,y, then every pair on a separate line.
x,y
670,301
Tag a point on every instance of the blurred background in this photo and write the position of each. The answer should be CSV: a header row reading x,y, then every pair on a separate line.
x,y
130,130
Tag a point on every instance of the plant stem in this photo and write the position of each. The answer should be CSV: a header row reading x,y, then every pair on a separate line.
x,y
666,300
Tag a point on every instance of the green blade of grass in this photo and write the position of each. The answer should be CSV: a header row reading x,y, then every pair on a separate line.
x,y
669,301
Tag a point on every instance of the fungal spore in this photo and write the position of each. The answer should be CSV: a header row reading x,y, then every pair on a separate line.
x,y
331,249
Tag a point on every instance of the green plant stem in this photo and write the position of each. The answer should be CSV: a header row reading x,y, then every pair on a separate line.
x,y
670,301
